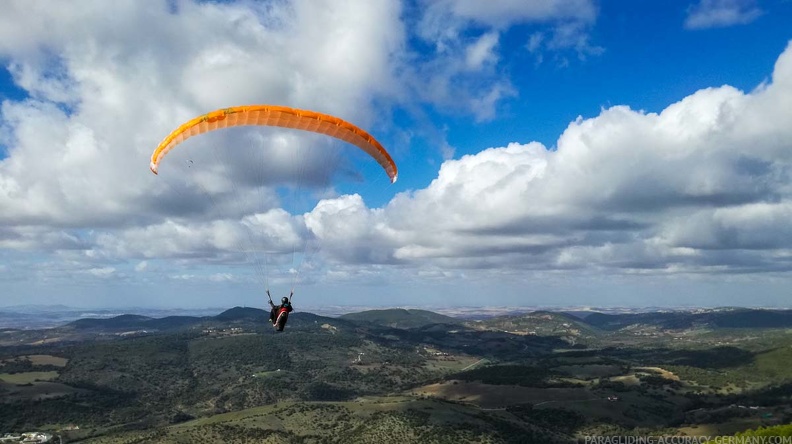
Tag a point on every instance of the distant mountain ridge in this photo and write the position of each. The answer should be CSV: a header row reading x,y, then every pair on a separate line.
x,y
134,322
139,322
538,321
541,323
237,315
243,313
34,317
715,318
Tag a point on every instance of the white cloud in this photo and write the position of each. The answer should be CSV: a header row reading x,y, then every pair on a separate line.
x,y
445,15
573,35
103,272
221,277
701,187
686,190
33,238
337,221
463,71
202,278
107,81
756,226
482,51
721,13
534,42
275,232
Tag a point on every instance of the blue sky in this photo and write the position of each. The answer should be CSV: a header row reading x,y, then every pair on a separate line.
x,y
551,153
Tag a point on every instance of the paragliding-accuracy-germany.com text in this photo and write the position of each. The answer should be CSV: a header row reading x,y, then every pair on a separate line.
x,y
686,439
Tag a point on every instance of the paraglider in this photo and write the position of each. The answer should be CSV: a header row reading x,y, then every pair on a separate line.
x,y
276,116
279,314
282,116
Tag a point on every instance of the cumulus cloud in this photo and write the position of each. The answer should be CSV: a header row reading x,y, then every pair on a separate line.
x,y
274,232
721,13
103,83
702,186
107,82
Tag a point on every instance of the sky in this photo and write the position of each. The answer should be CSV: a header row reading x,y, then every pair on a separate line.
x,y
550,153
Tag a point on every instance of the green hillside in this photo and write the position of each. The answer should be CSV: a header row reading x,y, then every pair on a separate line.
x,y
539,377
542,323
401,318
367,420
724,318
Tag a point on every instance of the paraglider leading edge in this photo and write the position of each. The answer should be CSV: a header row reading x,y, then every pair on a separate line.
x,y
282,116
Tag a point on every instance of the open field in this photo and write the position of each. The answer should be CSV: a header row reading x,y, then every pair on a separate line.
x,y
34,391
587,371
27,377
720,429
495,396
450,363
269,374
660,371
628,380
271,416
48,360
373,420
38,360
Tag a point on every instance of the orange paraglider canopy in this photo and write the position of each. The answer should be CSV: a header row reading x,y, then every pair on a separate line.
x,y
274,115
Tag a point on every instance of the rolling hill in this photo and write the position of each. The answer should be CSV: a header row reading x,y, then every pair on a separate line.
x,y
401,318
716,318
370,377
